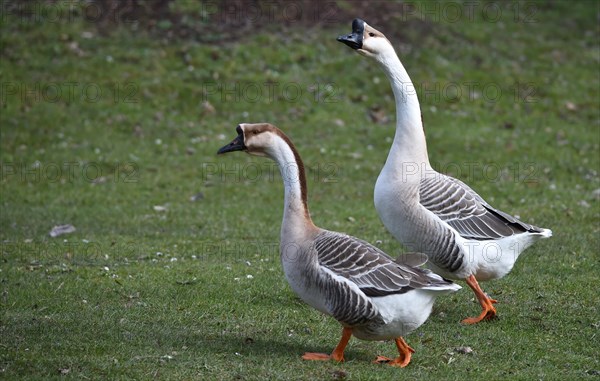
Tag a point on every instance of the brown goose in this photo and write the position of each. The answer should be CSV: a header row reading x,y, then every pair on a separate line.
x,y
373,296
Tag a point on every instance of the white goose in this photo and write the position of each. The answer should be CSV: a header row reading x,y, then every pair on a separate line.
x,y
370,294
463,236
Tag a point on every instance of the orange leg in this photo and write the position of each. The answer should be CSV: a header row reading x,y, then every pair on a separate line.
x,y
338,352
489,312
405,353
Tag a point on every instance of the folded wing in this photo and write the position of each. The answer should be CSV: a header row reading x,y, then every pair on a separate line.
x,y
465,211
373,271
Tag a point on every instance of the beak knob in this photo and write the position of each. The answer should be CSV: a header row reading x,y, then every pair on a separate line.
x,y
354,39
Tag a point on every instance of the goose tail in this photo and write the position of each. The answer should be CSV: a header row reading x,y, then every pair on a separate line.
x,y
450,287
440,284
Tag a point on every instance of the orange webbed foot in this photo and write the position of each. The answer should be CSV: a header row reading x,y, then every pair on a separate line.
x,y
338,352
405,353
400,361
488,313
382,360
487,304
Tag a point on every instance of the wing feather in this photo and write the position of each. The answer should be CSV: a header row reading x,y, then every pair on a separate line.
x,y
373,271
459,206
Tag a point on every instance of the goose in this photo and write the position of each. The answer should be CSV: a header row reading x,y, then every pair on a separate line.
x,y
463,236
373,296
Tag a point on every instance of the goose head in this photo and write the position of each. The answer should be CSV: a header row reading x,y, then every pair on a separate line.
x,y
367,40
254,138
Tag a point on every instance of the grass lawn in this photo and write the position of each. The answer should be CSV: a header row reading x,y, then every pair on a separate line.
x,y
173,271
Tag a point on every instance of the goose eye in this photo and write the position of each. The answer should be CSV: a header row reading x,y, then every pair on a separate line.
x,y
371,34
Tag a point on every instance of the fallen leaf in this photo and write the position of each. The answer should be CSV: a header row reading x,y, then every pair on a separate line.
x,y
59,230
570,106
207,108
561,138
74,47
64,371
378,115
138,131
463,350
187,282
197,196
584,204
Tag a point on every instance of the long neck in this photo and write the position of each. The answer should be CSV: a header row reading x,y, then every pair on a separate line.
x,y
409,146
296,217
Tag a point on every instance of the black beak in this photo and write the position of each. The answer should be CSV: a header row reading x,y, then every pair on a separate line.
x,y
354,39
236,144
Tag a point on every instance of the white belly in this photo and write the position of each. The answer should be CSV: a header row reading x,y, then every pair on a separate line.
x,y
402,314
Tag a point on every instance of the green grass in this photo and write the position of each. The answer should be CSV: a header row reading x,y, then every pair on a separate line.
x,y
137,293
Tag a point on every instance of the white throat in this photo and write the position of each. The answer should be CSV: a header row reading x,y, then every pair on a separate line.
x,y
295,212
409,147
